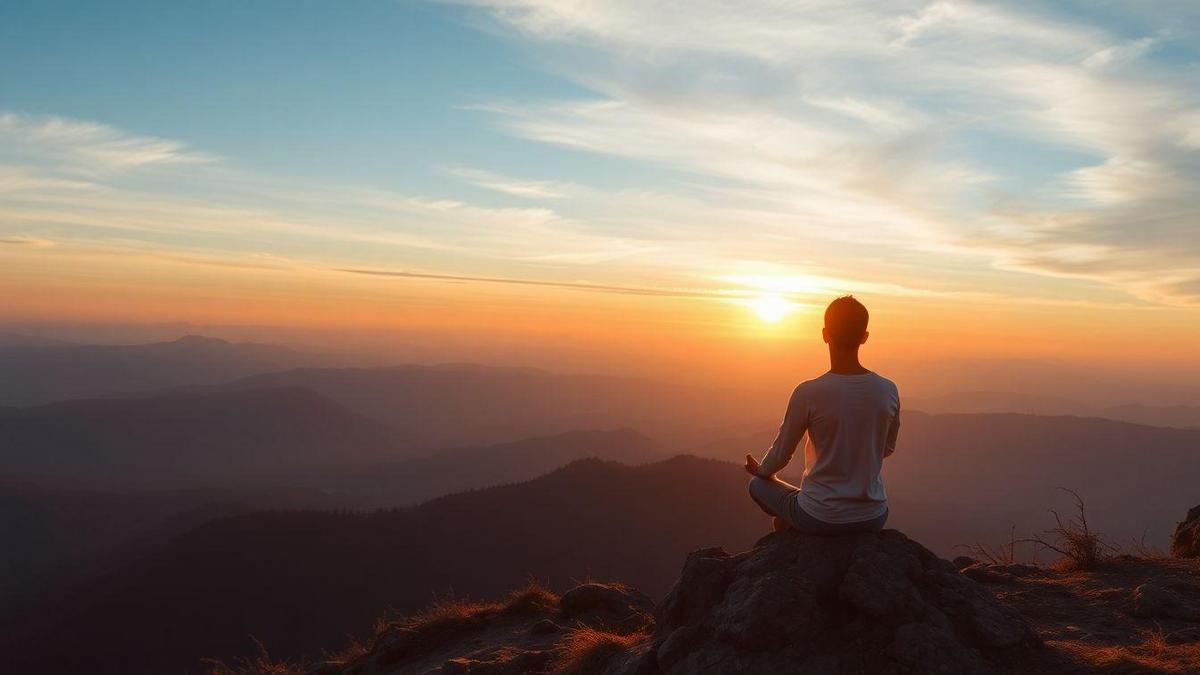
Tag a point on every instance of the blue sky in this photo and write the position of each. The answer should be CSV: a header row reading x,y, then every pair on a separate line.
x,y
1006,151
372,92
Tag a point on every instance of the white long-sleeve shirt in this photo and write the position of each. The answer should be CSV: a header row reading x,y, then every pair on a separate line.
x,y
852,422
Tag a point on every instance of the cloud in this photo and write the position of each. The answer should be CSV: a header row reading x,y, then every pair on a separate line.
x,y
26,240
577,286
513,186
1041,142
86,182
88,147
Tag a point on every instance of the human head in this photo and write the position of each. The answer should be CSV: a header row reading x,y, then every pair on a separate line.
x,y
845,323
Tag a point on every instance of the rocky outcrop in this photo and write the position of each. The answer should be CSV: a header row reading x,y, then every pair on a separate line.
x,y
863,603
1157,601
1186,541
855,603
531,632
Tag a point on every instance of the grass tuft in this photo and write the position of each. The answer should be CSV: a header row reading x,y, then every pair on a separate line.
x,y
447,618
260,664
1156,652
1002,554
1081,547
587,651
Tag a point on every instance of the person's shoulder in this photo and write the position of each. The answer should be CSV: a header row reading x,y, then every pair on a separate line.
x,y
813,383
885,382
807,387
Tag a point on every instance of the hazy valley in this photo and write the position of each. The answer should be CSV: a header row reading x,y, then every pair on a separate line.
x,y
152,529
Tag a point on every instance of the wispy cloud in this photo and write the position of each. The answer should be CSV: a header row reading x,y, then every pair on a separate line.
x,y
88,147
577,286
26,240
530,189
890,119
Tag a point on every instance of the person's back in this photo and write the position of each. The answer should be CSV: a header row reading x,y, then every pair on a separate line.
x,y
851,421
852,418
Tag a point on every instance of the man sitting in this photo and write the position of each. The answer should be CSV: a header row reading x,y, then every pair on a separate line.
x,y
852,417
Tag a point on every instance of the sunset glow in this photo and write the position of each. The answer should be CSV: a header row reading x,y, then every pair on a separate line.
x,y
959,167
771,308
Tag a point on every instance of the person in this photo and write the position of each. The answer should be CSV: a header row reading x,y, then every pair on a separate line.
x,y
852,418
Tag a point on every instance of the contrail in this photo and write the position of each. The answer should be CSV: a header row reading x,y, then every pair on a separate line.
x,y
578,286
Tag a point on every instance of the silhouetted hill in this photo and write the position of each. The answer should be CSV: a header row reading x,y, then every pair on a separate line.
x,y
464,404
49,533
975,402
959,479
241,438
8,339
411,481
53,537
41,372
302,581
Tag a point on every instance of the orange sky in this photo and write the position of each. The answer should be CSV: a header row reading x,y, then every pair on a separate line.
x,y
569,328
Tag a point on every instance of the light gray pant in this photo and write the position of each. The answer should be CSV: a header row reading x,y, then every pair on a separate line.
x,y
782,499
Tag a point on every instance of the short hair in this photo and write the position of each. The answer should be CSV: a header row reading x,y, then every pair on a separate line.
x,y
846,321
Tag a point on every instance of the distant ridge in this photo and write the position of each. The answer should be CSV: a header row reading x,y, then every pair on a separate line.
x,y
8,340
976,402
32,374
411,481
468,404
189,439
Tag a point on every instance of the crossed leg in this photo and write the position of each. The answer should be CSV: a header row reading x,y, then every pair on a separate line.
x,y
773,496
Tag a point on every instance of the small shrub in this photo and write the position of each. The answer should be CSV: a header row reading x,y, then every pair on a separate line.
x,y
1081,547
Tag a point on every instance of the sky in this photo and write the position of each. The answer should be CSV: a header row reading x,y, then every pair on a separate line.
x,y
620,181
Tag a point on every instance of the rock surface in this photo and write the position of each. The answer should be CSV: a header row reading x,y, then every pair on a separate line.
x,y
867,603
855,603
1155,601
1186,541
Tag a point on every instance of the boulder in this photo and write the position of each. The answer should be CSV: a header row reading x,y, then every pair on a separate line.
x,y
1186,541
872,602
1152,601
608,606
615,599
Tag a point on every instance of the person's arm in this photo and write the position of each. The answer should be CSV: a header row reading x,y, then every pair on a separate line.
x,y
893,433
795,423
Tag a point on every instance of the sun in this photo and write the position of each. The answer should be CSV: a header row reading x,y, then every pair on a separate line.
x,y
771,308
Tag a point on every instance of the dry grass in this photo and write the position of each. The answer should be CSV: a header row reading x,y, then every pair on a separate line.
x,y
1147,551
1155,653
451,613
448,618
587,651
1081,547
442,621
1002,554
346,654
260,664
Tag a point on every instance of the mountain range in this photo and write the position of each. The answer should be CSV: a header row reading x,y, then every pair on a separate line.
x,y
188,440
300,580
37,370
466,404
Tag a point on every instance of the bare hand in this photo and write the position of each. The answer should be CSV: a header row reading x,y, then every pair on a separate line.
x,y
751,465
